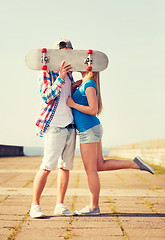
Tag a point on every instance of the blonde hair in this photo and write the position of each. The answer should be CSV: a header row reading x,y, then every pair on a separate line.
x,y
95,76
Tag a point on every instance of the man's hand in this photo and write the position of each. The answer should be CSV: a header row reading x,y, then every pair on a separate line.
x,y
64,69
76,85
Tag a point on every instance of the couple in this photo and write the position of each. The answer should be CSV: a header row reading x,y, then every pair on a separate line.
x,y
59,124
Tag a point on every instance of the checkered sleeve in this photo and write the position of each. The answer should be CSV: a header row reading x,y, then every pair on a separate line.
x,y
50,89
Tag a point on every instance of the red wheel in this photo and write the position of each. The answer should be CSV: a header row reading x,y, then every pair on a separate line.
x,y
90,51
44,67
89,68
43,50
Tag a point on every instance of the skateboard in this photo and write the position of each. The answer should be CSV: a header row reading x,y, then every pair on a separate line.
x,y
80,60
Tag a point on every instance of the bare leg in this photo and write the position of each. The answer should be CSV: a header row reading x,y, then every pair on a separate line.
x,y
38,186
89,156
62,184
112,164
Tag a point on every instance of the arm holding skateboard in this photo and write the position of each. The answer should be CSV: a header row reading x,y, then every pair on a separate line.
x,y
50,91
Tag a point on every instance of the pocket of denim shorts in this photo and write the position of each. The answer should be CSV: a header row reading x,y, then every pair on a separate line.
x,y
83,136
54,130
97,130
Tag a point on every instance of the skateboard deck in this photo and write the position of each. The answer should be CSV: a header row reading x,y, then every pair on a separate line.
x,y
80,60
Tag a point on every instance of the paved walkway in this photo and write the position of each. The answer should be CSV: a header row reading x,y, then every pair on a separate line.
x,y
132,204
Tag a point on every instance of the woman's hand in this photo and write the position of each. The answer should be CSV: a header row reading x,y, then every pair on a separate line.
x,y
70,102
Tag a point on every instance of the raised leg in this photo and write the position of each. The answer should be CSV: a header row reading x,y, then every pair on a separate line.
x,y
112,164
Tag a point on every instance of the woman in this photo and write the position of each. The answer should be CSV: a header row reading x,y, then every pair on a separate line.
x,y
86,103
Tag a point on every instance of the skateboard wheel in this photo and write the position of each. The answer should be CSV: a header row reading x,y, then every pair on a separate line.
x,y
43,50
90,51
44,67
89,68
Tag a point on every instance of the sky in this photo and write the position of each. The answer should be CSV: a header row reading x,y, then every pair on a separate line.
x,y
130,32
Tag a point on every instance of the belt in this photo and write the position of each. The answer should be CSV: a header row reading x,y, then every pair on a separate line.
x,y
71,126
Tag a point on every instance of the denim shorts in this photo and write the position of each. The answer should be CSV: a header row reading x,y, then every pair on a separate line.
x,y
59,147
91,135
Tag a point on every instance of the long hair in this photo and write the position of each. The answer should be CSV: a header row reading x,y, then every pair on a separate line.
x,y
95,76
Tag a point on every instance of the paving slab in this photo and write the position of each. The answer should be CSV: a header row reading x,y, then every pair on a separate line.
x,y
131,202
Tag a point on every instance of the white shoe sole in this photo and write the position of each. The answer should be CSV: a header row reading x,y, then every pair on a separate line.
x,y
62,214
38,216
87,214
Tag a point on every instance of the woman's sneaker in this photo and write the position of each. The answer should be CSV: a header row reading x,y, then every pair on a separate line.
x,y
35,212
87,211
61,209
143,165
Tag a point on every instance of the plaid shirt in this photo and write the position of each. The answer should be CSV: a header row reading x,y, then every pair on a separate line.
x,y
50,90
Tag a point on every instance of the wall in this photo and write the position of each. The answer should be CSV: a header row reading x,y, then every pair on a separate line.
x,y
11,151
152,151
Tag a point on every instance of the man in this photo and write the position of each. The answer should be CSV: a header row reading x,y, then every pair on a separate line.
x,y
56,122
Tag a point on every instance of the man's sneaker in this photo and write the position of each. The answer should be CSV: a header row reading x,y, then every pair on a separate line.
x,y
35,212
143,165
61,209
88,211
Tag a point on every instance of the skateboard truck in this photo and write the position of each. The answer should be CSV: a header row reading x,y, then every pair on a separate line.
x,y
89,60
44,58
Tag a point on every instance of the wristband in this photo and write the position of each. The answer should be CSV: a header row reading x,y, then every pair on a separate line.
x,y
61,79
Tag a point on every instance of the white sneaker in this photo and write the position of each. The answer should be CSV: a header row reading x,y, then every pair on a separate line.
x,y
88,212
61,209
35,212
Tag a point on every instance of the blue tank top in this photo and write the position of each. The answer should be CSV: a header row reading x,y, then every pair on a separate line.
x,y
84,121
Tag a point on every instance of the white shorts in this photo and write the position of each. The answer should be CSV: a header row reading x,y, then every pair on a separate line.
x,y
59,146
